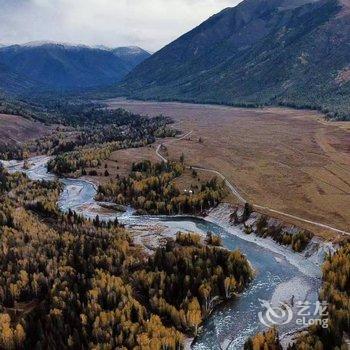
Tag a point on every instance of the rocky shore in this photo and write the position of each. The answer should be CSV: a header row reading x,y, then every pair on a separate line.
x,y
238,222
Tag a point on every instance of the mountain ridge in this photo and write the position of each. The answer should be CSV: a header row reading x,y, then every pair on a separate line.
x,y
259,52
37,67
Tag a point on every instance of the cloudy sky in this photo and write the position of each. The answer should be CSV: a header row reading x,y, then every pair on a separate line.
x,y
147,23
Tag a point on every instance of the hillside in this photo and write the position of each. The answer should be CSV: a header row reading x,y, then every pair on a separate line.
x,y
259,52
39,67
15,130
11,82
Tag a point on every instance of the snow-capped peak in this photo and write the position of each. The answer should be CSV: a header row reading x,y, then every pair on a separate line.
x,y
52,43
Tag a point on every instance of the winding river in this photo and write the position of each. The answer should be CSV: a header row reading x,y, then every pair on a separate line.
x,y
280,274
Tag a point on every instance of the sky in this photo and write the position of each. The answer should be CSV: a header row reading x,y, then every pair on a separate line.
x,y
150,24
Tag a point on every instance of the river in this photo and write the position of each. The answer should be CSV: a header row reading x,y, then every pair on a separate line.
x,y
278,278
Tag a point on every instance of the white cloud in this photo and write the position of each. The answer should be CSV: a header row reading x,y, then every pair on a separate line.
x,y
147,23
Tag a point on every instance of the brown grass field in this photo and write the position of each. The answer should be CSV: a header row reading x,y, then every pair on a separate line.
x,y
288,160
120,163
16,129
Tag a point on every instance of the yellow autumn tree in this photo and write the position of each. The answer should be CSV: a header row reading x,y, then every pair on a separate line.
x,y
194,315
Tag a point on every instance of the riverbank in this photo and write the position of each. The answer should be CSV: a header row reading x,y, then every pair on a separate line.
x,y
308,262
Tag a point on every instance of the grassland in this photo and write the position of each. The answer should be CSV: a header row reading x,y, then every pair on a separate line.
x,y
16,129
288,160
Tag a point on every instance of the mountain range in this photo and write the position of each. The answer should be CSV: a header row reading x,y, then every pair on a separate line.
x,y
51,67
261,52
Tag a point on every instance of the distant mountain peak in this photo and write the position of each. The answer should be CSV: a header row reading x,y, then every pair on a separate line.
x,y
133,53
42,43
131,49
127,49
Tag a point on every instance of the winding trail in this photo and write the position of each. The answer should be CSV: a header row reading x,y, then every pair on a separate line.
x,y
228,184
159,155
162,144
303,220
237,194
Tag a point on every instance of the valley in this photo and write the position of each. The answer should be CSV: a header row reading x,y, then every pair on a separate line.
x,y
276,268
288,160
191,195
148,169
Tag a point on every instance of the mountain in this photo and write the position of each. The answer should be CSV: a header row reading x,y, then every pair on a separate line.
x,y
260,52
134,55
44,66
131,55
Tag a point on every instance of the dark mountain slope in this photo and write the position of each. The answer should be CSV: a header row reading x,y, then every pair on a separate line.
x,y
12,82
260,52
59,67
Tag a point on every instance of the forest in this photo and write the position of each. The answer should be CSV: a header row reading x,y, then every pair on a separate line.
x,y
264,227
268,340
69,282
297,241
89,130
150,189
